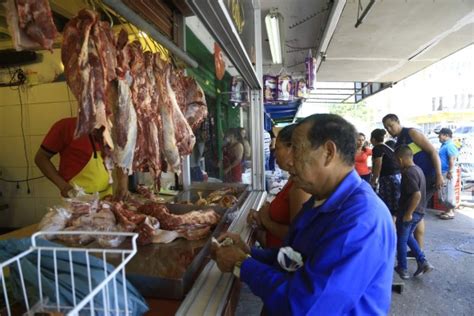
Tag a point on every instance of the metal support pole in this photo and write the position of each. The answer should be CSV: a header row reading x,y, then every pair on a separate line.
x,y
119,7
257,112
364,13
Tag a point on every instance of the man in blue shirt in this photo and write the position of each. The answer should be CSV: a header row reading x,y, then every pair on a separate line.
x,y
447,154
339,253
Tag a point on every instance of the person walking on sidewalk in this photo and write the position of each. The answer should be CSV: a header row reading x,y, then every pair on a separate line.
x,y
425,156
447,154
411,211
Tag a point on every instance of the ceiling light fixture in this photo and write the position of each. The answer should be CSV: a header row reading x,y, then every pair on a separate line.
x,y
274,24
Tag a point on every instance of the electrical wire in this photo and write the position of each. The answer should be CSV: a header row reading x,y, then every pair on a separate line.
x,y
24,143
20,77
21,180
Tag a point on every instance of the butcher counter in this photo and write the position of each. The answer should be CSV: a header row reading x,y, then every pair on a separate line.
x,y
212,292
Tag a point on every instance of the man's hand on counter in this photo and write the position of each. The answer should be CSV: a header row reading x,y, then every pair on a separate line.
x,y
227,256
236,241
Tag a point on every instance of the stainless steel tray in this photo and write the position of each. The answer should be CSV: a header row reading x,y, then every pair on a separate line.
x,y
169,270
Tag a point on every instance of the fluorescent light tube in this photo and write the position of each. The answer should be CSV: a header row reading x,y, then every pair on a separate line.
x,y
272,22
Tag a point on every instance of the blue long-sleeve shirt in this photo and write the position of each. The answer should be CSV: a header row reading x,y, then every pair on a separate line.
x,y
348,247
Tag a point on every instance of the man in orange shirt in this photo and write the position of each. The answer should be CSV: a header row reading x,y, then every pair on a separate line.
x,y
80,161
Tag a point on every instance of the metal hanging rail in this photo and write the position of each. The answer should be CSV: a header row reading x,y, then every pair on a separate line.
x,y
123,10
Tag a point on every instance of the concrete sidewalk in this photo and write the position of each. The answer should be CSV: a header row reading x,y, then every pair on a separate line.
x,y
447,290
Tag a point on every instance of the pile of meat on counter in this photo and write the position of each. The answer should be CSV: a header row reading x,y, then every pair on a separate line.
x,y
151,220
144,108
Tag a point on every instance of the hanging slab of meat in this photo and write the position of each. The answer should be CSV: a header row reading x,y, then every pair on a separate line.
x,y
169,221
89,57
183,133
196,106
124,127
142,102
169,149
153,123
190,98
31,24
177,80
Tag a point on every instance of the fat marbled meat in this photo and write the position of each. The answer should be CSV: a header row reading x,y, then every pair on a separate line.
x,y
107,76
31,24
89,57
190,98
192,220
183,133
124,127
145,100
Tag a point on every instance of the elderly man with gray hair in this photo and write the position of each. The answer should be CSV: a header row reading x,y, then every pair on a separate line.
x,y
338,255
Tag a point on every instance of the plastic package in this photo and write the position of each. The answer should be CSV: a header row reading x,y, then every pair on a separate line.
x,y
301,90
270,84
310,63
55,220
285,88
238,91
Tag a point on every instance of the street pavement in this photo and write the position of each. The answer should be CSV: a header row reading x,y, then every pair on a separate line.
x,y
447,290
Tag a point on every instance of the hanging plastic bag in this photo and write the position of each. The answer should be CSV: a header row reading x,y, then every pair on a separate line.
x,y
310,64
238,90
447,193
270,84
301,90
219,62
285,88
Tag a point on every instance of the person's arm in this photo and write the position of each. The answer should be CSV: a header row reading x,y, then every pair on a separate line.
x,y
326,284
376,168
275,228
425,145
238,153
43,162
452,154
449,175
414,201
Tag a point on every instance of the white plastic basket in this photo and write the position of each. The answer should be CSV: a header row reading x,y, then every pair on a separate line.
x,y
80,306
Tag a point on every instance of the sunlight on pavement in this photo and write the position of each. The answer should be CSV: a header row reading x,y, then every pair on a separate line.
x,y
467,211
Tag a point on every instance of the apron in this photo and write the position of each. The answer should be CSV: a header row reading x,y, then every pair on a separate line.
x,y
93,177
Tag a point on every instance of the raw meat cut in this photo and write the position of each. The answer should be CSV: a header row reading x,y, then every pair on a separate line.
x,y
124,127
169,148
31,24
196,106
144,96
89,57
190,98
184,135
126,218
171,221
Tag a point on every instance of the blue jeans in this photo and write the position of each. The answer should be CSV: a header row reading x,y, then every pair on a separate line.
x,y
405,237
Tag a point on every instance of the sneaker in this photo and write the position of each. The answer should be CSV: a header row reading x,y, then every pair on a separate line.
x,y
423,268
402,273
410,255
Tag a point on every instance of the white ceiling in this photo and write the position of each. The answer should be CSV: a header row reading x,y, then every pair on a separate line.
x,y
304,24
396,39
